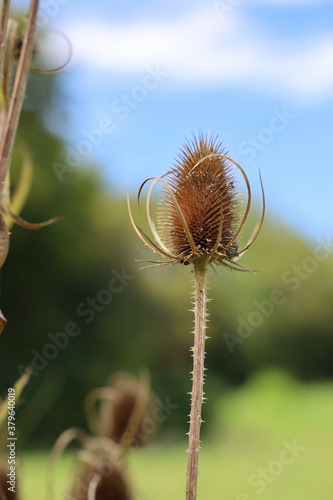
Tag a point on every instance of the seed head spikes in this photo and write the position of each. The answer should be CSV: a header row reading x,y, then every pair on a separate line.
x,y
199,214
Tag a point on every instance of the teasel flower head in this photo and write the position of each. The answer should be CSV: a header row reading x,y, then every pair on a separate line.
x,y
126,405
120,416
102,478
199,214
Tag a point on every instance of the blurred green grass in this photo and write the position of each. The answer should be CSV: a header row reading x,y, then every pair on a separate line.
x,y
242,455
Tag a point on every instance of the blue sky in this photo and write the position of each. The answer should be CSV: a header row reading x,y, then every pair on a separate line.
x,y
145,75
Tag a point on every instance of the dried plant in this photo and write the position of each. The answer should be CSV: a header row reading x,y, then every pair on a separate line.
x,y
119,424
103,475
125,405
198,223
16,52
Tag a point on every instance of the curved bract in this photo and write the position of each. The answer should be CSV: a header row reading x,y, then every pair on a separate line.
x,y
198,215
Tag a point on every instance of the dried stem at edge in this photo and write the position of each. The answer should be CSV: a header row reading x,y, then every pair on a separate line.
x,y
198,377
18,93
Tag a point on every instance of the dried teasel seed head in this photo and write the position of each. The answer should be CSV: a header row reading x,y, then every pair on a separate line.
x,y
203,185
105,481
199,216
124,417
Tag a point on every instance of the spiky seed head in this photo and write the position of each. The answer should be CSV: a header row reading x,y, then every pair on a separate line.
x,y
204,187
199,211
108,482
125,416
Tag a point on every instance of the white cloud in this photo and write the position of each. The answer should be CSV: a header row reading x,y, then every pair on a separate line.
x,y
203,49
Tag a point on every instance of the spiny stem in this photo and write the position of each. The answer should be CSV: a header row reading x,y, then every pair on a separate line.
x,y
198,377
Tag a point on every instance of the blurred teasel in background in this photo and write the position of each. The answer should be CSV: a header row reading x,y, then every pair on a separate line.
x,y
126,405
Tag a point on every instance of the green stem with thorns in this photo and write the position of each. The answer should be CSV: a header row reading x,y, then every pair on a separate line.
x,y
200,267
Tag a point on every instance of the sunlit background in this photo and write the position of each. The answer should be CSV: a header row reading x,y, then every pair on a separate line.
x,y
143,78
